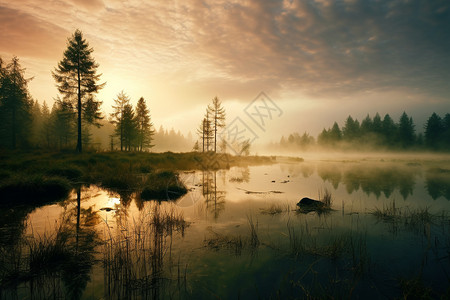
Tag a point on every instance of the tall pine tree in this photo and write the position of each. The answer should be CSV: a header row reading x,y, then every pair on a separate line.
x,y
76,78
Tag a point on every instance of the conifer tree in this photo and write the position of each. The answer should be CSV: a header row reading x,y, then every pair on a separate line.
x,y
15,104
217,115
145,129
76,78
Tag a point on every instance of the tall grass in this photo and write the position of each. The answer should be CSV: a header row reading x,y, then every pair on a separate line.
x,y
135,258
414,219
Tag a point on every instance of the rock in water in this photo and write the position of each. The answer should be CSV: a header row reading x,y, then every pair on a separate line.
x,y
309,203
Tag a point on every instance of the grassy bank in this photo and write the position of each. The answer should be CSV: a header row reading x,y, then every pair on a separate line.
x,y
38,177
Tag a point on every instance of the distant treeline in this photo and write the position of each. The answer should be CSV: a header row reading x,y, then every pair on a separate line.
x,y
377,133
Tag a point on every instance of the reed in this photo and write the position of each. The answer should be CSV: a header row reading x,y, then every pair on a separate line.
x,y
135,258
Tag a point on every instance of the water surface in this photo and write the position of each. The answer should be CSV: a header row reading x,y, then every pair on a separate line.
x,y
238,233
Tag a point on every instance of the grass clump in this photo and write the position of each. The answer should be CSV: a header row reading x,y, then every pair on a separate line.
x,y
34,189
164,185
273,209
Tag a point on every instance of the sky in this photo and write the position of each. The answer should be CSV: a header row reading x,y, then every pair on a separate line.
x,y
316,61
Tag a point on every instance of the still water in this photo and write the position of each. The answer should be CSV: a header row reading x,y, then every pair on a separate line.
x,y
239,234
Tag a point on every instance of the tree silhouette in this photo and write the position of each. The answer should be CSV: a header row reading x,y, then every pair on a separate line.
x,y
217,113
123,119
63,120
145,129
406,135
351,129
205,132
15,103
434,130
76,75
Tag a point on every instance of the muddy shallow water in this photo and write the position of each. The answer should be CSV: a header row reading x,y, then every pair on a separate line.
x,y
238,233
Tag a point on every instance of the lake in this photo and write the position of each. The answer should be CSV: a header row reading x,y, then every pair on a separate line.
x,y
238,233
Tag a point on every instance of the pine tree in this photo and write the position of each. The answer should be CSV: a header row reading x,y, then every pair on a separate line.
x,y
434,129
205,132
388,130
217,115
76,78
406,131
63,121
351,129
124,120
145,129
366,125
446,124
45,133
37,123
15,104
129,127
117,116
377,124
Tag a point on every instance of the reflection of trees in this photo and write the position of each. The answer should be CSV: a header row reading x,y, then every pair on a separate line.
x,y
78,228
12,227
304,169
214,199
371,179
437,183
42,263
333,175
244,175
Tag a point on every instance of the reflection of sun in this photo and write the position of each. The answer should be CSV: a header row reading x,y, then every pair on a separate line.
x,y
113,201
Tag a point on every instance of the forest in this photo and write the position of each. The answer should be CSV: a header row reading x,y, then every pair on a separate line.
x,y
76,121
376,134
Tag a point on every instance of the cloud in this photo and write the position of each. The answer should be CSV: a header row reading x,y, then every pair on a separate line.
x,y
25,35
91,5
328,48
196,49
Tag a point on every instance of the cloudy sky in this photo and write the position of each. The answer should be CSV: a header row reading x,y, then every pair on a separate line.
x,y
318,60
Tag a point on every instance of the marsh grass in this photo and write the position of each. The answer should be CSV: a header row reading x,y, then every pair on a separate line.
x,y
235,244
136,259
218,241
326,198
56,264
414,219
276,208
348,247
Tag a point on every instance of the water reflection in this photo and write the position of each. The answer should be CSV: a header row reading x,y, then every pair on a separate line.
x,y
437,183
373,179
214,198
57,263
105,245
